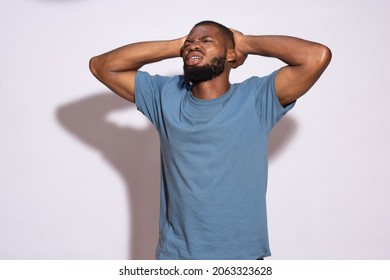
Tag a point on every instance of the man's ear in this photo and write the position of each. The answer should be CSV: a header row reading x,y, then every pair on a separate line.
x,y
231,55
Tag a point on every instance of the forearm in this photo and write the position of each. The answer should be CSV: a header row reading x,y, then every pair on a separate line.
x,y
293,51
134,56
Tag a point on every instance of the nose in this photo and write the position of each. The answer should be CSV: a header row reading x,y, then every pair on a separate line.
x,y
192,47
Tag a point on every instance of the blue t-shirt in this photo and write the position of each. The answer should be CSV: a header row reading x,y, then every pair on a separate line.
x,y
214,166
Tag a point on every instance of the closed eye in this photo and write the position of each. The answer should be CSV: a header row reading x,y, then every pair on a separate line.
x,y
206,39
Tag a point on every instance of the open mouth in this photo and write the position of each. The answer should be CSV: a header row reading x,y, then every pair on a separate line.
x,y
193,59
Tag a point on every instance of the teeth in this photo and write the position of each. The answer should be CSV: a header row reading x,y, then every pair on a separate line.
x,y
194,58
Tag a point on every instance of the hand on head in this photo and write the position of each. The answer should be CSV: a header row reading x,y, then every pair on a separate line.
x,y
240,54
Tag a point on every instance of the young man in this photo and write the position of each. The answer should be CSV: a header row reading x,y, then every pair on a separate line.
x,y
213,134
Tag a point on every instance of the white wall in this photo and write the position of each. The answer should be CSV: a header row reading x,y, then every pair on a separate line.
x,y
79,166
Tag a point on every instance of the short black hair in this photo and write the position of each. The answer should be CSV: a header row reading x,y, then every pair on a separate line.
x,y
226,32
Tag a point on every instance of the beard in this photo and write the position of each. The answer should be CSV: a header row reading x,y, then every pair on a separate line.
x,y
199,74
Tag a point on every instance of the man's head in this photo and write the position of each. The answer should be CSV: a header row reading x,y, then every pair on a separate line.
x,y
206,52
226,33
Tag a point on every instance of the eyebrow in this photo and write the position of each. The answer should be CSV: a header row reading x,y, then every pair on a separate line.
x,y
201,38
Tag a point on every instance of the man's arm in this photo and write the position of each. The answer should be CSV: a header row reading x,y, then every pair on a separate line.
x,y
117,69
305,60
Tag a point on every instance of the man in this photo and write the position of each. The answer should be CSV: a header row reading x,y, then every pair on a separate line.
x,y
213,134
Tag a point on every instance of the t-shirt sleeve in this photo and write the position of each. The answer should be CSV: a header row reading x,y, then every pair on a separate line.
x,y
268,106
148,95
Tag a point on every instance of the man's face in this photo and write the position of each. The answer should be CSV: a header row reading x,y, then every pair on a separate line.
x,y
204,54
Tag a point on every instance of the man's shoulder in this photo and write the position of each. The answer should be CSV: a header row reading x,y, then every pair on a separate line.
x,y
260,79
257,82
161,82
159,77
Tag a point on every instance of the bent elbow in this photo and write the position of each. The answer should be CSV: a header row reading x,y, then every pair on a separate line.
x,y
93,66
325,56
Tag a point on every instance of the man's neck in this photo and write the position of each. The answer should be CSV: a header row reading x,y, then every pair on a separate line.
x,y
211,89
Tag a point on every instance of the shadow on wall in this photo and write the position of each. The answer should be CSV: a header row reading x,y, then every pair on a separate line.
x,y
134,153
280,135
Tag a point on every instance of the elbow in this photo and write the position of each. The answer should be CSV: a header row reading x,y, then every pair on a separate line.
x,y
324,56
98,66
94,66
318,59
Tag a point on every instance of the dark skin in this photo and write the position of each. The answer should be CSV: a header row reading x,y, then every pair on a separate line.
x,y
305,61
206,42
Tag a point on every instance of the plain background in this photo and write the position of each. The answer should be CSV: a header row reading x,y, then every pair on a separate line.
x,y
79,167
